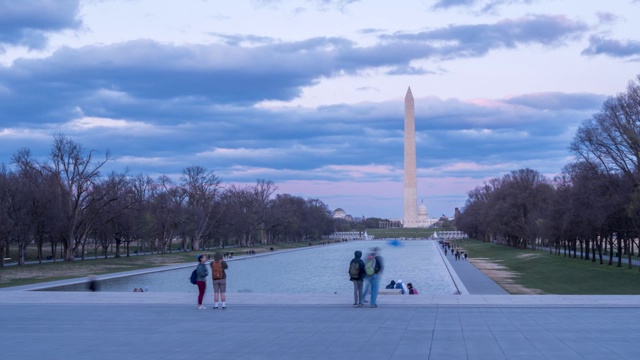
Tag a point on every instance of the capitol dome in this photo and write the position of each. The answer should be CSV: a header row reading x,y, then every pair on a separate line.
x,y
422,211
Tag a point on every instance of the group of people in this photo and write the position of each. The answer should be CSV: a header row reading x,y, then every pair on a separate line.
x,y
219,277
366,276
404,289
457,253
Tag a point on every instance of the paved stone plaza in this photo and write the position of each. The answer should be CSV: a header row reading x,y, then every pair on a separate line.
x,y
479,324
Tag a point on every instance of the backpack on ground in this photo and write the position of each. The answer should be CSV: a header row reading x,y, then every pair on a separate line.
x,y
354,269
216,270
194,277
370,266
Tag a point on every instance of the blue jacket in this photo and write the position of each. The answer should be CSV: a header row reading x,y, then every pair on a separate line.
x,y
202,272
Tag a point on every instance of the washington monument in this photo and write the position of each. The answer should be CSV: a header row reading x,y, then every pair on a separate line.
x,y
410,180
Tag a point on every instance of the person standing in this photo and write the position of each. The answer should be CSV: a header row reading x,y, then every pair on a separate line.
x,y
378,268
219,275
201,279
369,270
356,275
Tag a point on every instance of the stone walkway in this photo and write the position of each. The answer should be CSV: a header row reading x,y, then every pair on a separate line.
x,y
477,324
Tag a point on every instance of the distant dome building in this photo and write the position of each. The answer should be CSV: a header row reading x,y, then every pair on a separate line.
x,y
339,214
423,217
423,214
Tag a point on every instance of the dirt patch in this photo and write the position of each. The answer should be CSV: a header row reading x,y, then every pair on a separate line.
x,y
527,256
501,275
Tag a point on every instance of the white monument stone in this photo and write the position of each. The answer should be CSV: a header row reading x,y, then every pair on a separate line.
x,y
413,217
410,178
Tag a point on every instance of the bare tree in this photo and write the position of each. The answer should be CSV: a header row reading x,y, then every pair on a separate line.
x,y
204,209
167,203
610,144
247,211
77,171
5,221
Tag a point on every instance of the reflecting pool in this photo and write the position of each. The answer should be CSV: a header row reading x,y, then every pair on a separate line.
x,y
313,270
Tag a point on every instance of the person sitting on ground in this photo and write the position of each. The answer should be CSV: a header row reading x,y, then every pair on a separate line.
x,y
403,288
392,285
412,290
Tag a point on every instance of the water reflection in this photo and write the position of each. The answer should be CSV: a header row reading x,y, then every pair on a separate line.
x,y
315,270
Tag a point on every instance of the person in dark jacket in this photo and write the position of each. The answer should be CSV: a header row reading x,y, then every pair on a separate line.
x,y
357,277
201,280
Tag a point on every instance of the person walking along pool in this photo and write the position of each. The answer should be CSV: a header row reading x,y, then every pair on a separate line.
x,y
219,276
356,275
201,279
378,268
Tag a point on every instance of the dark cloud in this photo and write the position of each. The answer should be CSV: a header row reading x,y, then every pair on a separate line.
x,y
237,40
599,45
407,70
136,74
370,31
558,101
477,40
148,70
445,4
27,22
320,4
607,17
350,135
494,5
485,6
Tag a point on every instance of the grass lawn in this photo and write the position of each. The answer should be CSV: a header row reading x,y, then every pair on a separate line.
x,y
556,274
391,233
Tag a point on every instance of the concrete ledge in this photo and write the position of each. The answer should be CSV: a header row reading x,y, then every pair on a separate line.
x,y
61,297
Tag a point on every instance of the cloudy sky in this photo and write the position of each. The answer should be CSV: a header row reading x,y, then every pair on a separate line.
x,y
309,93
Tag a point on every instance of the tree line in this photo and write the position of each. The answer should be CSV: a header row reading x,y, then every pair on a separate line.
x,y
64,205
592,208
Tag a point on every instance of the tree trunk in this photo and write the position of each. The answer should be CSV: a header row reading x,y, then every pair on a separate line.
x,y
600,242
68,250
619,243
39,248
610,251
118,241
21,253
83,248
627,246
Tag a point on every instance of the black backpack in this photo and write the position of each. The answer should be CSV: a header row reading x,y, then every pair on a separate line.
x,y
354,269
194,277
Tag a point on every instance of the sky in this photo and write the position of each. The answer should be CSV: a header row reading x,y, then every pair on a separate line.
x,y
309,94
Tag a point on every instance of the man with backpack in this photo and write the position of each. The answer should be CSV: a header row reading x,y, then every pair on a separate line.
x,y
373,268
356,275
218,267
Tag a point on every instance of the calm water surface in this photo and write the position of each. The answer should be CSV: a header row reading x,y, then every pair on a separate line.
x,y
315,270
